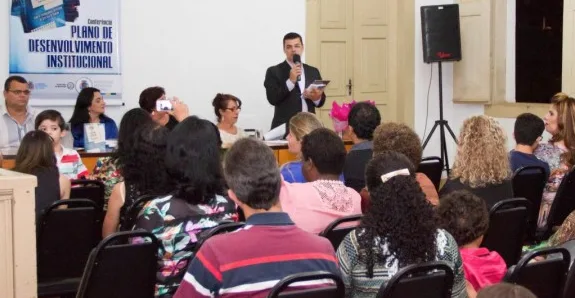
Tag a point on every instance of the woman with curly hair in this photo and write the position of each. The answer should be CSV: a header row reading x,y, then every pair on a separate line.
x,y
559,152
399,137
465,216
398,230
481,164
143,171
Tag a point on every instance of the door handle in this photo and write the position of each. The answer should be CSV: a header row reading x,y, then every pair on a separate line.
x,y
349,87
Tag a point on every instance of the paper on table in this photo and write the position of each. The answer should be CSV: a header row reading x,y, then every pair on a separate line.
x,y
276,133
275,143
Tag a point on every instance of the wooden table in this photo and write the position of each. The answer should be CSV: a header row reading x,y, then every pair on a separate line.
x,y
280,151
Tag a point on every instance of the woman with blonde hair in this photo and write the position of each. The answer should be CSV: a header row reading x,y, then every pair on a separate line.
x,y
481,164
299,126
559,152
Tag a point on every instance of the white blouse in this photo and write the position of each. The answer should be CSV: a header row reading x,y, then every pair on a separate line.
x,y
228,139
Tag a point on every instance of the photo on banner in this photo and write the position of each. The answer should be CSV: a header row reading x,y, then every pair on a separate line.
x,y
63,46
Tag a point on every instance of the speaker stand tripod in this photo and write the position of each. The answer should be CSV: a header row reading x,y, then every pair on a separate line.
x,y
442,124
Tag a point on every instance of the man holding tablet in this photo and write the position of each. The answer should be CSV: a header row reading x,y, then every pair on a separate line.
x,y
292,86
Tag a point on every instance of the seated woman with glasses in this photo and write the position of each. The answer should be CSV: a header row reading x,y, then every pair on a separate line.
x,y
90,108
227,108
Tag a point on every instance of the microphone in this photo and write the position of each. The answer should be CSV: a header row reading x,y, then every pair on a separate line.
x,y
296,61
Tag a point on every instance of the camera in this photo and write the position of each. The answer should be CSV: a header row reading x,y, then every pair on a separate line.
x,y
164,105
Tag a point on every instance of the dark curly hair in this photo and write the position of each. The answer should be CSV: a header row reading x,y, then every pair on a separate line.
x,y
131,121
325,149
364,119
193,161
464,215
143,167
399,213
400,138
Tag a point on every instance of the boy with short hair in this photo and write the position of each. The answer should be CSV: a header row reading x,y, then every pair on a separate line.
x,y
527,133
68,160
464,215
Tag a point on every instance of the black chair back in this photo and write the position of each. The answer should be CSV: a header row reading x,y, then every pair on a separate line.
x,y
123,265
65,239
569,291
222,228
529,182
337,291
432,167
544,278
507,228
89,189
425,280
564,202
133,210
335,235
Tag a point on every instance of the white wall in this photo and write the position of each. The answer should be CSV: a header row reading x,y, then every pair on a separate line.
x,y
196,49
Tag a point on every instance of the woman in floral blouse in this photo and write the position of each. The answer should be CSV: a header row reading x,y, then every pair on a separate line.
x,y
559,152
105,169
197,202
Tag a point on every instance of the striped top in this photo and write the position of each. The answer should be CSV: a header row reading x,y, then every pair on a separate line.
x,y
250,261
354,272
70,164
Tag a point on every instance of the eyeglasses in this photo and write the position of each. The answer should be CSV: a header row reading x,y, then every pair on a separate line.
x,y
234,109
20,92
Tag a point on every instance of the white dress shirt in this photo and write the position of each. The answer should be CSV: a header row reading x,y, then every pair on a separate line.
x,y
301,84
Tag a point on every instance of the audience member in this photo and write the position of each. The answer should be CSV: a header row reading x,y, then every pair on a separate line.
x,y
559,152
196,201
401,138
527,132
90,108
481,163
465,217
18,119
363,119
105,169
144,172
169,119
566,232
299,125
251,260
505,290
315,204
398,230
227,108
68,160
36,157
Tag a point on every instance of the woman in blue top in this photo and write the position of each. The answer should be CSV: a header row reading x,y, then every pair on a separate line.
x,y
90,107
300,125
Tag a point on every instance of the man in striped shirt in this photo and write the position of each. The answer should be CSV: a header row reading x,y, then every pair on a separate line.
x,y
250,261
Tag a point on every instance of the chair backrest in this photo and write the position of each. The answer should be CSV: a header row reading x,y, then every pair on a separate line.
x,y
507,228
133,211
426,280
222,228
88,189
569,291
544,278
529,182
432,167
337,291
334,234
66,237
124,264
564,202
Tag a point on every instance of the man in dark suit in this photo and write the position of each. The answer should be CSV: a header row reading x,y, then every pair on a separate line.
x,y
283,90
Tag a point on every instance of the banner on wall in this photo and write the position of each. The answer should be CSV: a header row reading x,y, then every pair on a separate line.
x,y
63,46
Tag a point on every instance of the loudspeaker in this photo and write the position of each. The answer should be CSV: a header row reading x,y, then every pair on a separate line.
x,y
440,32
